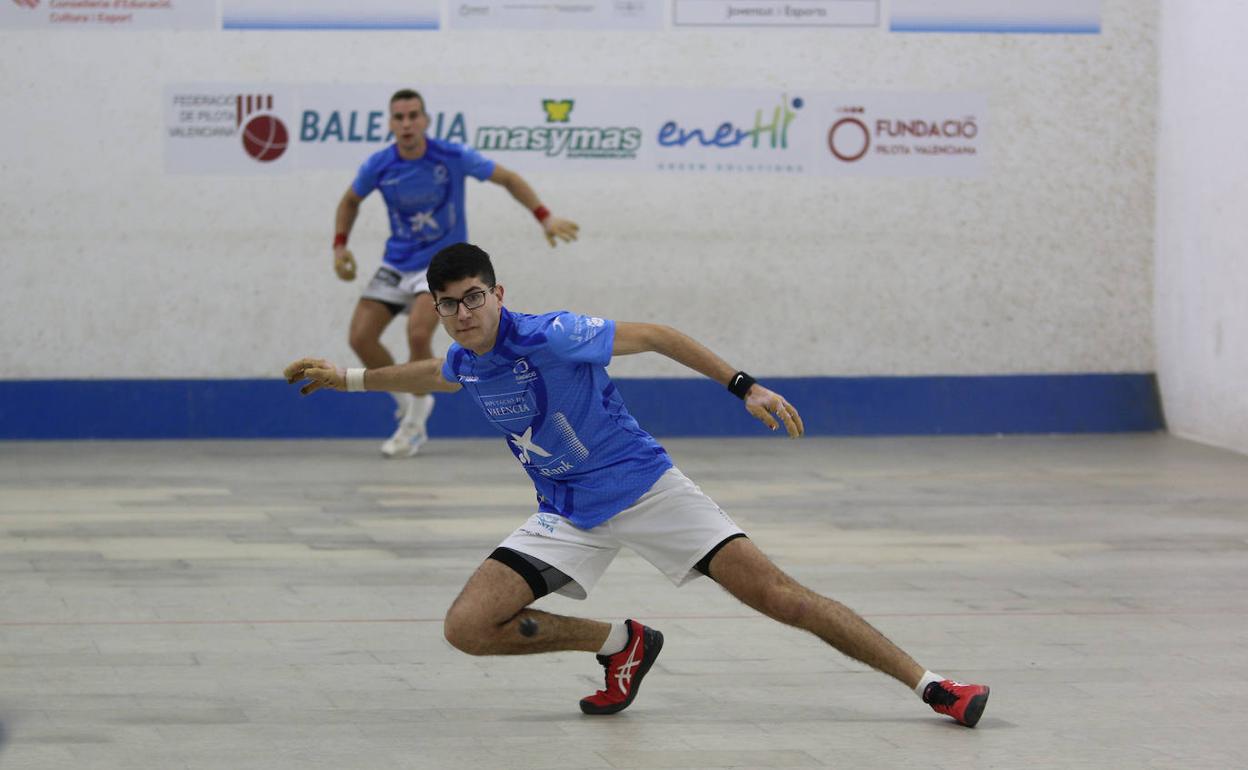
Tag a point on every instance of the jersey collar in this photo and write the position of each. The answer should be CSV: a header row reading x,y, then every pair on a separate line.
x,y
500,354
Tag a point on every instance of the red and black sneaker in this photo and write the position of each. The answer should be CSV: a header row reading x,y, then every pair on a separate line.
x,y
963,702
625,670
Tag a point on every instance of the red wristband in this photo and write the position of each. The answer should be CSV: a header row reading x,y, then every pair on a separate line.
x,y
340,239
542,213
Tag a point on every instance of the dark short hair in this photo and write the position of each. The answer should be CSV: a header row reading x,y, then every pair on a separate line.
x,y
407,93
457,262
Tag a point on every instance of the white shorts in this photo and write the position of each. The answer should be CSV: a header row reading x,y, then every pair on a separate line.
x,y
393,287
672,526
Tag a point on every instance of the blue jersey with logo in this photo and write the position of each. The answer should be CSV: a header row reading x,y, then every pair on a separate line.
x,y
544,385
425,198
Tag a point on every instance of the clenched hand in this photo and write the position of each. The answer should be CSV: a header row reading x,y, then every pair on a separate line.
x,y
318,372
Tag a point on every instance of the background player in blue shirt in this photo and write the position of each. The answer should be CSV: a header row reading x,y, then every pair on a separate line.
x,y
603,483
422,181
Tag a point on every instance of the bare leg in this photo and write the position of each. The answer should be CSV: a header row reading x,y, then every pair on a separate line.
x,y
370,319
750,576
421,323
485,618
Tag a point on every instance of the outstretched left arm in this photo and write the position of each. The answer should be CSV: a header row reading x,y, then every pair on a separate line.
x,y
760,402
555,227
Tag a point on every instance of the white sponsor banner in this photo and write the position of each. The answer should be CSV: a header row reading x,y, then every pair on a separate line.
x,y
247,128
556,14
108,14
331,14
1037,16
250,129
776,13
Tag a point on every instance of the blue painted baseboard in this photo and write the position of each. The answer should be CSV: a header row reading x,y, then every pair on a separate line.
x,y
830,406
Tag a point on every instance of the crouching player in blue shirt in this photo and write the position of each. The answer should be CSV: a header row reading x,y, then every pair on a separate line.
x,y
603,483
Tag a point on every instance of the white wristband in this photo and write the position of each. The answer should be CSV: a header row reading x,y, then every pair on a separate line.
x,y
355,380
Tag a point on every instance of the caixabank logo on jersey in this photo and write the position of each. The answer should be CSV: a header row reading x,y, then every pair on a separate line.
x,y
229,131
559,135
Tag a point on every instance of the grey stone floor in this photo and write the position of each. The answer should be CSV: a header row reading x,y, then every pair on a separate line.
x,y
278,605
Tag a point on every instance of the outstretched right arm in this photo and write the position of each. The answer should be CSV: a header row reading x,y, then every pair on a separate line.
x,y
415,377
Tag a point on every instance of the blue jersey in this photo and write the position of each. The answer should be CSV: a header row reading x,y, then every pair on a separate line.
x,y
544,385
425,198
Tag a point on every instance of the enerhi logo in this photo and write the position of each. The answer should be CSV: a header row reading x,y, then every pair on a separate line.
x,y
27,3
770,130
567,140
264,135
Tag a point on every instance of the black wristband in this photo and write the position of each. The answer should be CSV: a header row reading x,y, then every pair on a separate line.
x,y
740,384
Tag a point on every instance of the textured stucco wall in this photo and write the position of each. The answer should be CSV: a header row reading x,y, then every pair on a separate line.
x,y
112,268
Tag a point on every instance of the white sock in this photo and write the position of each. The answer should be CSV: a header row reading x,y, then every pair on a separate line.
x,y
928,678
404,404
615,640
419,410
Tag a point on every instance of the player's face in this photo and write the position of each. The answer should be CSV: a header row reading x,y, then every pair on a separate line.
x,y
473,327
408,123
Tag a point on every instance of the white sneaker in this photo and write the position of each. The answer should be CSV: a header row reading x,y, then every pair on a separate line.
x,y
411,433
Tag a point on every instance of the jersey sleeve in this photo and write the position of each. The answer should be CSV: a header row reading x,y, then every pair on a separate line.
x,y
581,338
368,176
475,164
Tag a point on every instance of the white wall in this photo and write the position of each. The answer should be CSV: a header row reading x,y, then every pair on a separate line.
x,y
1202,221
112,268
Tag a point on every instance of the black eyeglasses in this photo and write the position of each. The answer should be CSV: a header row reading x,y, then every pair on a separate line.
x,y
448,307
